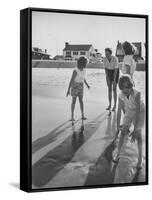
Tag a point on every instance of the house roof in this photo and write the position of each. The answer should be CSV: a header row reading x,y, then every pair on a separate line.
x,y
77,47
137,44
39,51
119,49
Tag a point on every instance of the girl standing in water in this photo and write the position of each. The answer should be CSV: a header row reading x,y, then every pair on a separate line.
x,y
76,86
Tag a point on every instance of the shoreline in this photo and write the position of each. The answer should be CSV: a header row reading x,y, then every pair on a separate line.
x,y
72,64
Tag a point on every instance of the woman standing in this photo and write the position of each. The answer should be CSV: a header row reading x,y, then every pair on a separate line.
x,y
112,76
129,64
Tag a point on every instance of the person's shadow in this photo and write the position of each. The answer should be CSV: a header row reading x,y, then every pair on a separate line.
x,y
77,136
103,171
50,137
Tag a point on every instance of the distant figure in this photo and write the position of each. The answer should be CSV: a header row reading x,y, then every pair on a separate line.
x,y
129,64
112,76
134,111
76,86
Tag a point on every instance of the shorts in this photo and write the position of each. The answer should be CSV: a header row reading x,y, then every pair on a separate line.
x,y
130,117
77,89
110,74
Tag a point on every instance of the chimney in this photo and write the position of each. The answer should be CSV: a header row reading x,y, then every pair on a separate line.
x,y
66,44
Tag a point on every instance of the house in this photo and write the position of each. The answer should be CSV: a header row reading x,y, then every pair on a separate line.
x,y
138,51
137,55
39,54
74,51
97,57
119,51
58,57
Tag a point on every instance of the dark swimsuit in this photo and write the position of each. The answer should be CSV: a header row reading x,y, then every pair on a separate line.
x,y
110,74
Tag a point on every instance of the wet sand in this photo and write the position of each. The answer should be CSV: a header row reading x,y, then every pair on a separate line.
x,y
68,154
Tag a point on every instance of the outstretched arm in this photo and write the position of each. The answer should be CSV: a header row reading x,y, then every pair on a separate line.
x,y
136,131
120,109
71,81
86,84
137,99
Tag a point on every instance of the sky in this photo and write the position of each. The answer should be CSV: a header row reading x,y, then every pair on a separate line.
x,y
51,30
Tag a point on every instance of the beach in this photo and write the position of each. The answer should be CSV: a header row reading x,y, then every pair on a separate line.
x,y
66,154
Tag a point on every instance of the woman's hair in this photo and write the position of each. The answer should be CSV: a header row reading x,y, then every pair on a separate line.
x,y
108,50
82,62
123,80
128,48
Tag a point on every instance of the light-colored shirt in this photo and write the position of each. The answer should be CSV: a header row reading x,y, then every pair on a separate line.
x,y
128,60
130,103
113,64
80,75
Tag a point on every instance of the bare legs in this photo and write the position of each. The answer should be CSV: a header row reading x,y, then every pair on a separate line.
x,y
139,143
109,95
115,96
81,107
110,87
73,107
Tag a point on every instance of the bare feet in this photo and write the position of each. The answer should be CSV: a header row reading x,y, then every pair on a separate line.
x,y
109,107
114,108
116,159
109,114
139,166
84,118
72,119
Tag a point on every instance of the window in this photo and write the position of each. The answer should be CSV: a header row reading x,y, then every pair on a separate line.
x,y
75,52
82,53
68,53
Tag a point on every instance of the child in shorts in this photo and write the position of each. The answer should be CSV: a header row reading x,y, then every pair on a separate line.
x,y
76,86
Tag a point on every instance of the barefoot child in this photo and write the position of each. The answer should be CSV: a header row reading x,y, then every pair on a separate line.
x,y
76,86
134,109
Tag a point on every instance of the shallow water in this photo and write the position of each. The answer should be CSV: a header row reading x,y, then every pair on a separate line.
x,y
65,154
48,82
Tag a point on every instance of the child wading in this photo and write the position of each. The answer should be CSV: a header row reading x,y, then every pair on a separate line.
x,y
76,86
134,111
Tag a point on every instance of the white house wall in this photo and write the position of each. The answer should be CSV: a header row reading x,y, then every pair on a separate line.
x,y
87,53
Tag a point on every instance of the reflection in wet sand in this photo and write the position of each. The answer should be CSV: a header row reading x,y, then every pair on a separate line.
x,y
49,170
49,165
80,153
77,138
103,171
